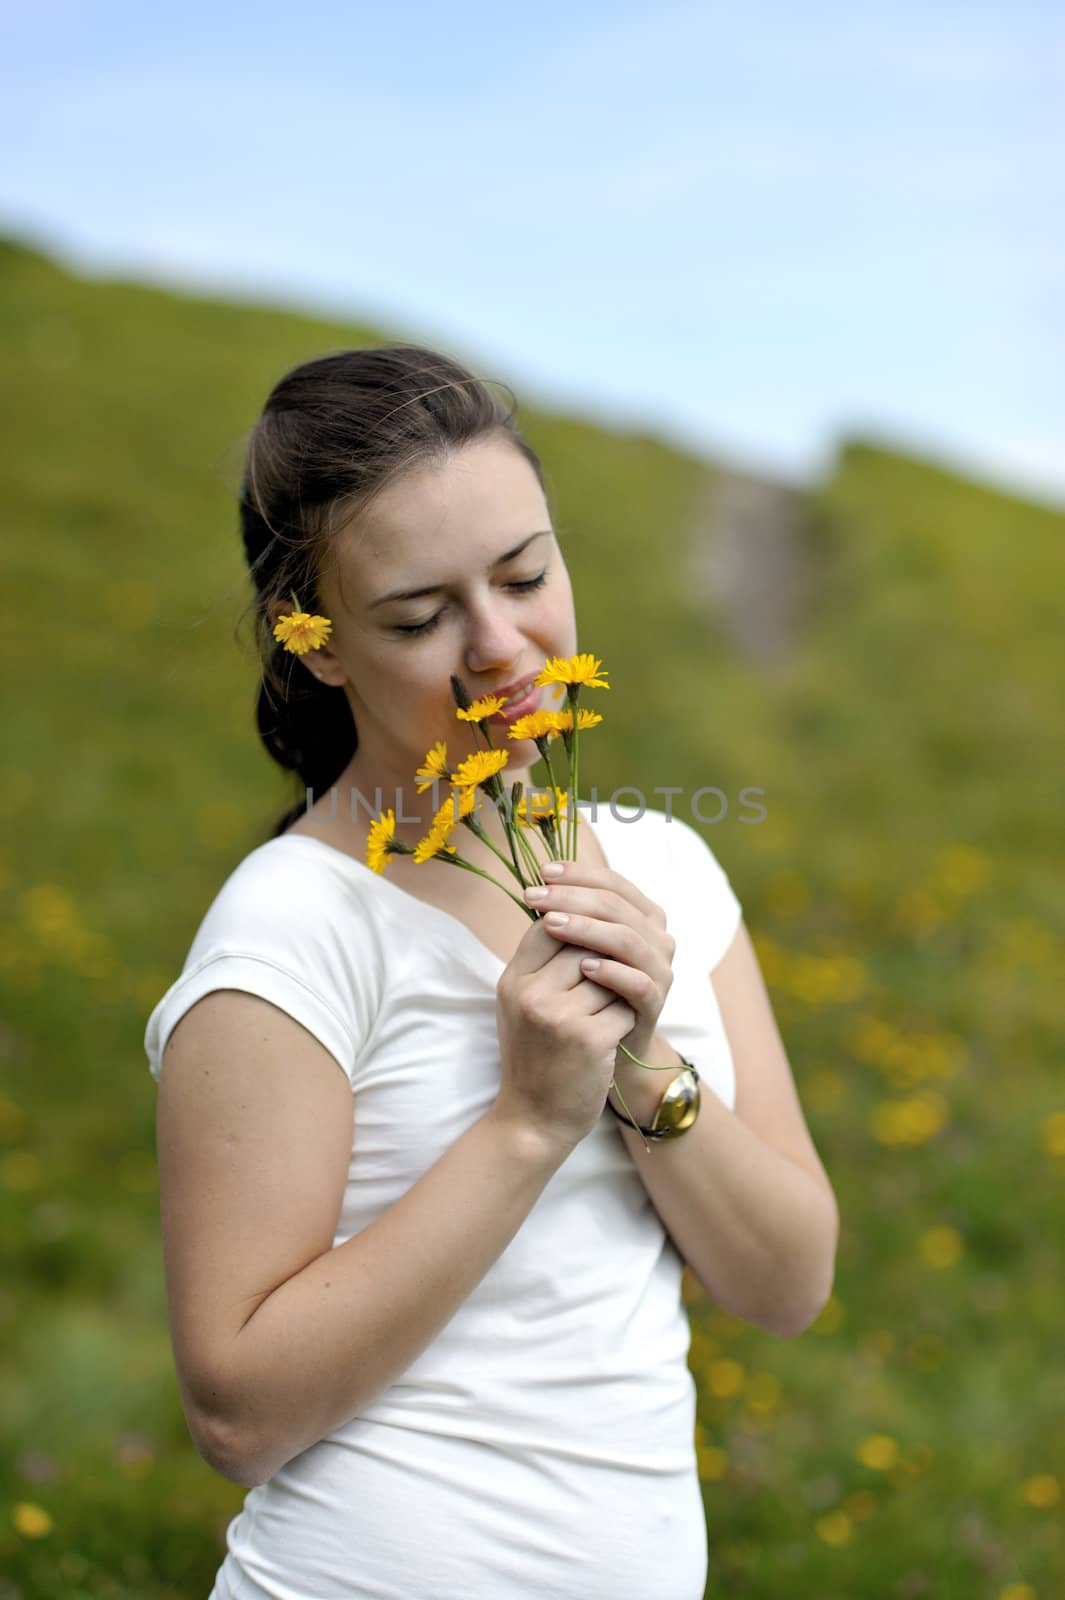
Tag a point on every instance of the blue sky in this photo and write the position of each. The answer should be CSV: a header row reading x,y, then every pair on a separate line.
x,y
748,229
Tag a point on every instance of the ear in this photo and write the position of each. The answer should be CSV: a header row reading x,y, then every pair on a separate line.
x,y
321,663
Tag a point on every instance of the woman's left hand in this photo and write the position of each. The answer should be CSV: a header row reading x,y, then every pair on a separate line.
x,y
624,930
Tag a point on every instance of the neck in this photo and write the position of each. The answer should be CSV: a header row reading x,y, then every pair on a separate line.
x,y
351,803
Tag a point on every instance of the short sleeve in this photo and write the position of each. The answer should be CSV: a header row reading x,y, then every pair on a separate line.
x,y
286,930
252,974
710,908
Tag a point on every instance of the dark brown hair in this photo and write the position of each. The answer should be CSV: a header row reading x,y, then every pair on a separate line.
x,y
333,433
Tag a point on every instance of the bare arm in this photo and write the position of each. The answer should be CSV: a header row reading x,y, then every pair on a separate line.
x,y
332,1338
253,1162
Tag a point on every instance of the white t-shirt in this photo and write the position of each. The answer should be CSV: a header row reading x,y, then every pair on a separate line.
x,y
543,1444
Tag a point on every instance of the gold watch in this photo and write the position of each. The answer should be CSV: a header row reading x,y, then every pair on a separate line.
x,y
677,1109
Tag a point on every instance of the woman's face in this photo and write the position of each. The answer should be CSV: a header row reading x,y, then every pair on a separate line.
x,y
492,616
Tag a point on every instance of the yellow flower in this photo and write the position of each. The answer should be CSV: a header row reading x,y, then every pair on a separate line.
x,y
541,804
1042,1490
879,1452
479,767
300,632
32,1521
434,842
434,766
479,710
451,814
585,719
584,669
535,725
378,854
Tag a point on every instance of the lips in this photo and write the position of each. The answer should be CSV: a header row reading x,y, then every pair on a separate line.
x,y
522,686
528,702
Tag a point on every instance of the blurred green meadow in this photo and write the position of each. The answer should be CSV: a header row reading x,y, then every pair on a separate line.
x,y
901,890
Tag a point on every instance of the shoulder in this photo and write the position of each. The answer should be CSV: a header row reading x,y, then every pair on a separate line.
x,y
286,888
665,835
298,929
671,861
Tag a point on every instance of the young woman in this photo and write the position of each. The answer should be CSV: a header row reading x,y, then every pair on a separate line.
x,y
424,1283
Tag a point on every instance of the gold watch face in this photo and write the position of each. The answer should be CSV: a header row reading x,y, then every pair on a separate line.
x,y
680,1104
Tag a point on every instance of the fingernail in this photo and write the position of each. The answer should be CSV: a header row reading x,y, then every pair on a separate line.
x,y
536,892
556,919
552,869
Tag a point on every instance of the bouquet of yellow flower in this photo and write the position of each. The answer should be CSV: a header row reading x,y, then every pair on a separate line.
x,y
545,812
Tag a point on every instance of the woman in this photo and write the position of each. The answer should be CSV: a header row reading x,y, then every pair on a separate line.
x,y
427,1307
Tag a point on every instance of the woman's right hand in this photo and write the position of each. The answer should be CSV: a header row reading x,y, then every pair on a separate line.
x,y
558,1038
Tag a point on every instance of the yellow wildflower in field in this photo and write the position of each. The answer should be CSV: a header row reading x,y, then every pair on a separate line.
x,y
834,1529
829,1317
724,1377
962,868
1042,1490
711,1463
879,1451
912,1121
20,1171
941,1247
31,1521
1054,1133
763,1392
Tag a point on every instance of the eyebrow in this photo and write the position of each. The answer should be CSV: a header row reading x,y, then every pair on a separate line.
x,y
435,588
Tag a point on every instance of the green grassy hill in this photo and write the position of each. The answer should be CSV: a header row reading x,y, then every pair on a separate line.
x,y
902,892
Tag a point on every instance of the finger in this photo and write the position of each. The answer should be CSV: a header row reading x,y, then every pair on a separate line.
x,y
605,904
535,950
590,876
556,965
614,939
635,987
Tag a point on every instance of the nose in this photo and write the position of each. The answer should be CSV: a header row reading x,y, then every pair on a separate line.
x,y
493,638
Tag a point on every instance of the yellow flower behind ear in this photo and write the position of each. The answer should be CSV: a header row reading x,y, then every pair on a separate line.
x,y
434,766
300,632
584,669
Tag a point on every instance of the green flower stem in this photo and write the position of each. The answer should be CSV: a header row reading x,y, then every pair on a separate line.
x,y
515,835
628,1113
509,830
670,1067
558,803
573,799
468,866
532,860
475,827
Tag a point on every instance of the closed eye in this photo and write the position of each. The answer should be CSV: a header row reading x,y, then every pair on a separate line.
x,y
522,587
